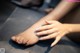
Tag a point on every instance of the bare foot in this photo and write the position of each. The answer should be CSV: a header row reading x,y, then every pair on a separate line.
x,y
27,37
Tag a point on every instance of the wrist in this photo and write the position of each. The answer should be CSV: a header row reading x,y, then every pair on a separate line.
x,y
69,28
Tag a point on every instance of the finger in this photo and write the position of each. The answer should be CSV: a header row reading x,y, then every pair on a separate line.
x,y
49,36
51,22
47,32
46,27
56,40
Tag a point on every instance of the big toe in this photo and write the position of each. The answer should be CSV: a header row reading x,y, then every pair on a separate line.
x,y
13,38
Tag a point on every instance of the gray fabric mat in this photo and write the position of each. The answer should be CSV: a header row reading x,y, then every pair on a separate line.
x,y
5,11
20,20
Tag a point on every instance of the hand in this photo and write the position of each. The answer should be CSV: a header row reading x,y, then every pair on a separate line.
x,y
53,29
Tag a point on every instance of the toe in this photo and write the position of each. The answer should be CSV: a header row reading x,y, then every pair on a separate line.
x,y
24,41
13,38
19,40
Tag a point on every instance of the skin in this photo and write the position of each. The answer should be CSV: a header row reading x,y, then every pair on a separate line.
x,y
29,37
57,30
53,29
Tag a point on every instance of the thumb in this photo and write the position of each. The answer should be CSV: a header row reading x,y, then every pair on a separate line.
x,y
56,41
